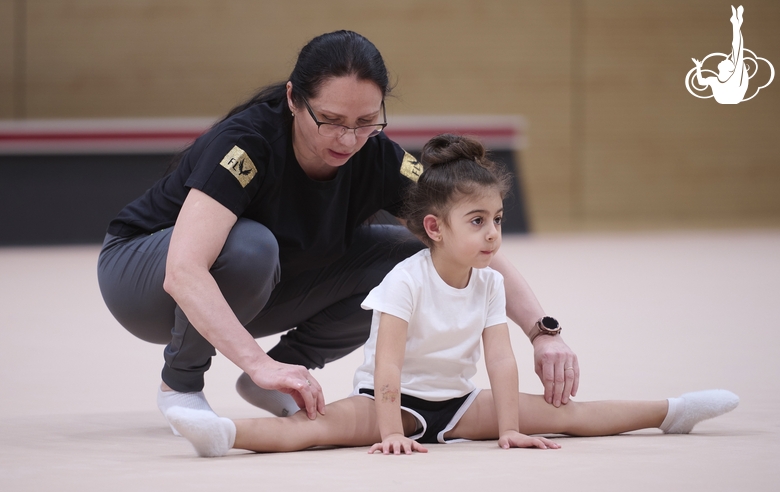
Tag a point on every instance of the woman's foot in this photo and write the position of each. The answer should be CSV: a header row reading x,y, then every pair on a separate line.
x,y
168,398
208,433
272,401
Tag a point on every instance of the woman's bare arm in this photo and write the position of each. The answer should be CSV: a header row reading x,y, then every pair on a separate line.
x,y
198,237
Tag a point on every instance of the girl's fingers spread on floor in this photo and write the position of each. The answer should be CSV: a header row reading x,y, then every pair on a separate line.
x,y
549,444
419,447
517,440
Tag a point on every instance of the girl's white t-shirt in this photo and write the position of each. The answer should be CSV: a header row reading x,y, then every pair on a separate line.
x,y
445,326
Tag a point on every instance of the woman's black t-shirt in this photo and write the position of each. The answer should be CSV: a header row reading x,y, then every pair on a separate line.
x,y
247,164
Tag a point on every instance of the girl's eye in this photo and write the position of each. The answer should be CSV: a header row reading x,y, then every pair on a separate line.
x,y
498,220
476,221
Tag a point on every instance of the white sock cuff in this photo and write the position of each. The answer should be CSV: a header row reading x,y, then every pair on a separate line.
x,y
671,413
168,399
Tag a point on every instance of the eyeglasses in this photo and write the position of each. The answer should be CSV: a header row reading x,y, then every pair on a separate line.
x,y
338,131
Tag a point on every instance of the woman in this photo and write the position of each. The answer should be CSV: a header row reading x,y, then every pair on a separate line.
x,y
261,229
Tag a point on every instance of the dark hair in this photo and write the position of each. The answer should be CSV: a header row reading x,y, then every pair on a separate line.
x,y
454,166
334,54
337,54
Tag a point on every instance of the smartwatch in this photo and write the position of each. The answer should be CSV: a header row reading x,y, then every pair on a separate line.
x,y
547,325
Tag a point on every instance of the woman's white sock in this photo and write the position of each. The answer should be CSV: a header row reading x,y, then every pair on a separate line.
x,y
272,401
691,408
169,399
208,433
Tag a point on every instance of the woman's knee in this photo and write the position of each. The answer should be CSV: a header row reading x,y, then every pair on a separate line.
x,y
381,247
247,269
395,242
251,251
130,274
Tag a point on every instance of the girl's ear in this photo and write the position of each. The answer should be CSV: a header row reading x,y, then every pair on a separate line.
x,y
432,227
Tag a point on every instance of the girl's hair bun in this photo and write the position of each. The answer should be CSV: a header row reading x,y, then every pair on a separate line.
x,y
454,166
447,148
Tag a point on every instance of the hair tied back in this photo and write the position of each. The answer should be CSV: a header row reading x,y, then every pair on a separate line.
x,y
447,148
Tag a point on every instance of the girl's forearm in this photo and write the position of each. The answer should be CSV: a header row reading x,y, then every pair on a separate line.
x,y
387,397
504,384
390,348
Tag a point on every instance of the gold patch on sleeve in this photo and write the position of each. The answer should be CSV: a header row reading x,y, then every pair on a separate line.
x,y
240,165
410,167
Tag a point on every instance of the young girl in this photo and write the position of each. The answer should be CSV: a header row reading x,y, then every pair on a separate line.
x,y
430,313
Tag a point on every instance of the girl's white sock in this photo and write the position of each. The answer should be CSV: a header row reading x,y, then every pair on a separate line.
x,y
272,401
208,433
691,408
169,399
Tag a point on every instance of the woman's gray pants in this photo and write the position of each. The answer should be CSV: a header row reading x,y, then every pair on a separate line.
x,y
320,308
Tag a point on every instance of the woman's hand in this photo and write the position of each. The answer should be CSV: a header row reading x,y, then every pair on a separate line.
x,y
557,367
294,380
513,439
395,443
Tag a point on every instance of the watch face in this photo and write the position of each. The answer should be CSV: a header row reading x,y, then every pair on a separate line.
x,y
550,323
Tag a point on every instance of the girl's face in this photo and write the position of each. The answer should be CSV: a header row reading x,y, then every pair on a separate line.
x,y
472,235
344,101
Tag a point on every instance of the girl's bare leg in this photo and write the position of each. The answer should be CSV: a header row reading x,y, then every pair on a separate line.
x,y
352,422
348,422
599,418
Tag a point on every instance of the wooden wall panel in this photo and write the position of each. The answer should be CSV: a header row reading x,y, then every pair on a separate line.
x,y
6,59
495,58
195,57
145,58
615,140
90,58
653,153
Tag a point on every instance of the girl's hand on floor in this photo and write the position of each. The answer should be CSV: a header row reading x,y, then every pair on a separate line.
x,y
395,444
514,439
